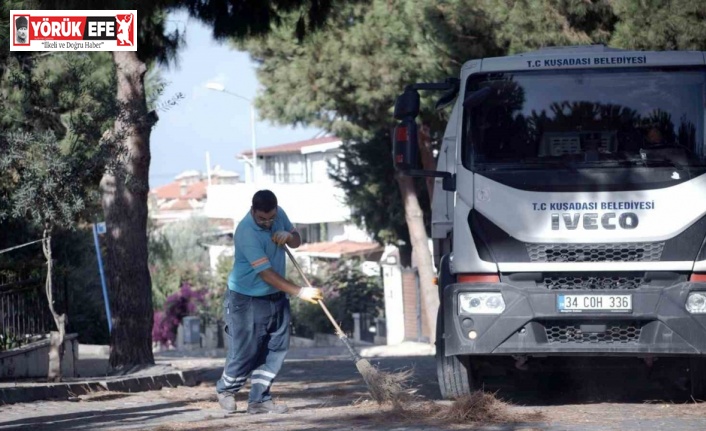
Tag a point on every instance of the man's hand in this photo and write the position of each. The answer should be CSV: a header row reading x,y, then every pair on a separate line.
x,y
310,294
281,237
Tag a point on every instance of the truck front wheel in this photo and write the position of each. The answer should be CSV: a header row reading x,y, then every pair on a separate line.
x,y
453,372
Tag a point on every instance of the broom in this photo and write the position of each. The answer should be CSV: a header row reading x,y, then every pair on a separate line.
x,y
383,386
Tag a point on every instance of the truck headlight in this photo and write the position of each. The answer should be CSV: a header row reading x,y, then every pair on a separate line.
x,y
696,302
481,303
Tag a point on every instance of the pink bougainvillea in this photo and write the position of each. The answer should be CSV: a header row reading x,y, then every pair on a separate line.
x,y
186,302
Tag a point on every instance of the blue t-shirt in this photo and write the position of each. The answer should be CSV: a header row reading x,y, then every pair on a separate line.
x,y
255,252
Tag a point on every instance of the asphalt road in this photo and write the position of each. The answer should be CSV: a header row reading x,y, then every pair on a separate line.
x,y
328,394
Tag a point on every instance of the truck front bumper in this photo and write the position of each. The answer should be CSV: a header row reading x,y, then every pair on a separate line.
x,y
531,324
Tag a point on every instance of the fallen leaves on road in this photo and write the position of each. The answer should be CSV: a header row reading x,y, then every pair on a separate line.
x,y
479,408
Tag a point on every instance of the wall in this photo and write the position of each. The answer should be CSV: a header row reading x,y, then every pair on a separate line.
x,y
216,251
394,312
32,360
336,232
351,232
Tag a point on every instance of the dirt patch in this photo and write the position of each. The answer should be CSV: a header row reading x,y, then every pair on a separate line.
x,y
193,398
478,408
604,413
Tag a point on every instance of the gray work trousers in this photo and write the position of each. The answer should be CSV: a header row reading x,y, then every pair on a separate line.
x,y
258,329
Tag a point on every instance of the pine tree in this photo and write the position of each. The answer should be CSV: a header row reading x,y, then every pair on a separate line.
x,y
660,25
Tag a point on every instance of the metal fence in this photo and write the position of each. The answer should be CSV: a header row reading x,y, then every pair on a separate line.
x,y
24,312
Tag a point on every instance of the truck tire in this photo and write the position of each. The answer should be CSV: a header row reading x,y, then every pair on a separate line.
x,y
453,372
697,374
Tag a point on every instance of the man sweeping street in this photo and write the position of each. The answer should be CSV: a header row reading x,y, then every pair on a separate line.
x,y
256,307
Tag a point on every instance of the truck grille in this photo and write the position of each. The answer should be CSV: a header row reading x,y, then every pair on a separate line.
x,y
620,252
592,283
619,332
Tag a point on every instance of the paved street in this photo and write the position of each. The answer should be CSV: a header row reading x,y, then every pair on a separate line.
x,y
328,394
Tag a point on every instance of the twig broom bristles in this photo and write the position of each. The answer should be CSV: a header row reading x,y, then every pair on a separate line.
x,y
384,387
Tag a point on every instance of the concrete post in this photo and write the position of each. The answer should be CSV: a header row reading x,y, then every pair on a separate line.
x,y
356,327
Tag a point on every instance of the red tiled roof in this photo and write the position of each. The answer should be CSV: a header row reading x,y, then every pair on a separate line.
x,y
177,205
167,191
196,191
340,248
173,191
292,147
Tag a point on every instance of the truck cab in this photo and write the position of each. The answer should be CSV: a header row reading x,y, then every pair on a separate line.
x,y
569,212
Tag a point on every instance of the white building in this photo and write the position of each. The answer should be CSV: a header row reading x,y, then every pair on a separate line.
x,y
297,173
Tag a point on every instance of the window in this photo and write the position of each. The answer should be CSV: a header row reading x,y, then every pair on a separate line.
x,y
286,168
598,118
310,233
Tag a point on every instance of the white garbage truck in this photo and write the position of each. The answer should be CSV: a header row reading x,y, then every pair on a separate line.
x,y
569,209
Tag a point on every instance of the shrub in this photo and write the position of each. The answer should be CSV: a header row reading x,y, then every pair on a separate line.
x,y
185,302
347,290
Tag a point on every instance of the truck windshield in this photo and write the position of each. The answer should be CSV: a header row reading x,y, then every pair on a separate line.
x,y
581,119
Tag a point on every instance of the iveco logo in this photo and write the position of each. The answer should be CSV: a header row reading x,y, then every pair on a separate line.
x,y
592,221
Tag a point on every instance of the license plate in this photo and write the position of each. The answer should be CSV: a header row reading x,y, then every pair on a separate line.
x,y
581,303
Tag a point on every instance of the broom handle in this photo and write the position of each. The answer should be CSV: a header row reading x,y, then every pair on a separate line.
x,y
321,302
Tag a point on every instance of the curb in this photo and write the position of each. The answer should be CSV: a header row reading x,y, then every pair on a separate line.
x,y
67,391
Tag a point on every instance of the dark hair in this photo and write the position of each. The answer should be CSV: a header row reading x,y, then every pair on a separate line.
x,y
264,201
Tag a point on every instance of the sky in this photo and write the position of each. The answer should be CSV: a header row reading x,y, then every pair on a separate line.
x,y
206,120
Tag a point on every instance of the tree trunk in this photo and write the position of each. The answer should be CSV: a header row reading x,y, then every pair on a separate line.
x,y
124,198
426,155
422,256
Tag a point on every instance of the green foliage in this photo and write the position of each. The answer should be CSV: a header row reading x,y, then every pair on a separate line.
x,y
51,151
77,271
216,293
660,24
368,176
185,239
177,256
9,340
523,25
227,19
165,282
347,290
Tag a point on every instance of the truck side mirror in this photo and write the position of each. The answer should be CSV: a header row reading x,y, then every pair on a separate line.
x,y
407,105
405,152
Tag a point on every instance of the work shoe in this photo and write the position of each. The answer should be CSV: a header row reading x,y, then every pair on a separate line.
x,y
227,401
267,407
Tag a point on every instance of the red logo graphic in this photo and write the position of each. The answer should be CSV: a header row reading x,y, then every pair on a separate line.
x,y
66,30
126,34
